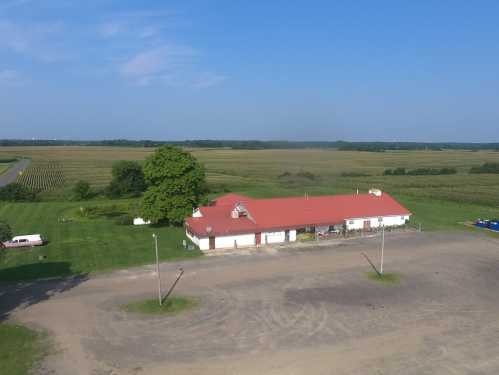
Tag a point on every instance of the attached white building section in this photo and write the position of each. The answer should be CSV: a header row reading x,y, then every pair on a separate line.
x,y
241,240
376,222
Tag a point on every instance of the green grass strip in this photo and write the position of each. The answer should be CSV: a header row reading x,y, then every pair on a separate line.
x,y
173,305
385,278
20,349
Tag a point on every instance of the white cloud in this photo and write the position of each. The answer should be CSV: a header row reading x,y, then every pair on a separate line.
x,y
208,79
33,39
110,29
10,77
150,65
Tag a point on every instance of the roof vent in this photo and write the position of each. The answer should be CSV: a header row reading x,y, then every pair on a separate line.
x,y
239,211
375,192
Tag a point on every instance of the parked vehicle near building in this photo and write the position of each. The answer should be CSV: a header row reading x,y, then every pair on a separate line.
x,y
29,240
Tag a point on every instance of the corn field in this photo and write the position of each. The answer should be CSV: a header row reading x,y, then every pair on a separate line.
x,y
42,176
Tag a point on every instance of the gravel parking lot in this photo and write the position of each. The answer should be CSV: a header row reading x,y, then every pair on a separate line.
x,y
295,311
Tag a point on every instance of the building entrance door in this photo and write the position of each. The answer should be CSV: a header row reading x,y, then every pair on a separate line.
x,y
286,236
367,224
258,238
212,243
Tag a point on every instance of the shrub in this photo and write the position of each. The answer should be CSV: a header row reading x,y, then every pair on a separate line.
x,y
354,174
81,190
285,174
489,167
307,175
128,179
16,192
5,231
124,220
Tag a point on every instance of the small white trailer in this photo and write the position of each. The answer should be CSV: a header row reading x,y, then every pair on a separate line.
x,y
28,240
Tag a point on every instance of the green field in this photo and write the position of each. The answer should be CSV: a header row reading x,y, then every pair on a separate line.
x,y
20,349
4,167
437,202
81,245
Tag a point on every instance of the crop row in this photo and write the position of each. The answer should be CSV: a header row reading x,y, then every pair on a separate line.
x,y
42,176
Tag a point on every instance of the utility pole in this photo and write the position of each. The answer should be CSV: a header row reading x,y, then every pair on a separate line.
x,y
382,247
160,298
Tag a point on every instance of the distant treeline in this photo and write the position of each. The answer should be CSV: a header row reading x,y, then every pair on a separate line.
x,y
261,145
419,171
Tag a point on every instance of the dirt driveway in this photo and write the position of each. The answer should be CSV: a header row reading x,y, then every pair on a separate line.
x,y
299,311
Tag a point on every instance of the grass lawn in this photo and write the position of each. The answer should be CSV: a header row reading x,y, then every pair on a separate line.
x,y
20,349
97,244
81,245
385,278
4,167
173,305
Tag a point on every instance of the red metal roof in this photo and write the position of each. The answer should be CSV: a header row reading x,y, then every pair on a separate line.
x,y
288,213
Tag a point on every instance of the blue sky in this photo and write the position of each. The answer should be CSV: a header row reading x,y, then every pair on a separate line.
x,y
297,70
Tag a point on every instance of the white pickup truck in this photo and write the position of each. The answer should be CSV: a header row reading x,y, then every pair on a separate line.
x,y
24,241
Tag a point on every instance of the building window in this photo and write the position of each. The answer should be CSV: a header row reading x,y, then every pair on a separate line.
x,y
380,219
351,222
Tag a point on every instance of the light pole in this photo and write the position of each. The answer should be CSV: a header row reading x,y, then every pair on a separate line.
x,y
382,247
160,299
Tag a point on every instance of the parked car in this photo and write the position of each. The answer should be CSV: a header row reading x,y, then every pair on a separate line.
x,y
25,241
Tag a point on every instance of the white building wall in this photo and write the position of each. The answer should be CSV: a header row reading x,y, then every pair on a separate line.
x,y
192,237
229,241
204,243
387,221
272,237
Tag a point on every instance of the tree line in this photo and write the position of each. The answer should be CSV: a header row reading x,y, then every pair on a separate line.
x,y
419,171
259,145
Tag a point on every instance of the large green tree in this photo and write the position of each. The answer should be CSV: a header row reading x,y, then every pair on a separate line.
x,y
176,183
128,179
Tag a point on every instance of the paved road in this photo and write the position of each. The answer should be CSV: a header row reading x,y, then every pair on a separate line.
x,y
10,175
294,311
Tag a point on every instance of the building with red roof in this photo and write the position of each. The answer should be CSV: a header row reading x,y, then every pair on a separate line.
x,y
235,221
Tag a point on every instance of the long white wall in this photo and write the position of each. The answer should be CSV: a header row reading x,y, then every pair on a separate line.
x,y
278,237
387,221
240,240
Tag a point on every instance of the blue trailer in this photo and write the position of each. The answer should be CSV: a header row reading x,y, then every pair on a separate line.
x,y
494,225
488,224
482,223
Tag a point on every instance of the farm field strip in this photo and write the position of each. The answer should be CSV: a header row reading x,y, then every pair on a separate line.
x,y
256,172
42,176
